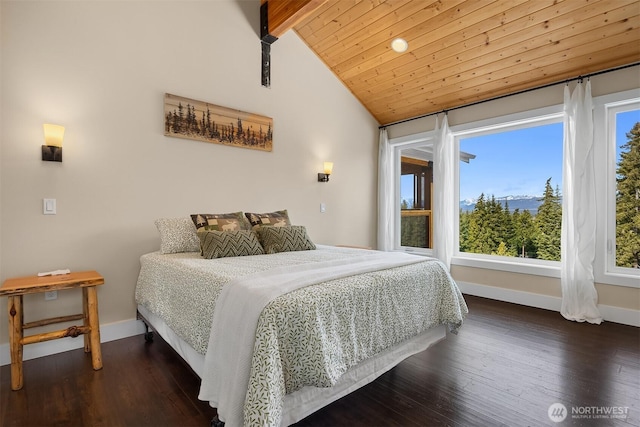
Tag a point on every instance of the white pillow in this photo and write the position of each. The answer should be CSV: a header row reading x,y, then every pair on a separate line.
x,y
177,235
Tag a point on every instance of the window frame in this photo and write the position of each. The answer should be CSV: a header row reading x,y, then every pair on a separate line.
x,y
522,120
605,109
398,144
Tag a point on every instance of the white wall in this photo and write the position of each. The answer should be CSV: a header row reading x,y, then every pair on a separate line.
x,y
101,68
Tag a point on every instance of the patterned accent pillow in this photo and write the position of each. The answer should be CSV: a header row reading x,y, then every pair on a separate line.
x,y
220,222
284,239
177,235
275,219
221,244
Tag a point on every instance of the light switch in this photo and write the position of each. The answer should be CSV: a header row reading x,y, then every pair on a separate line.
x,y
323,208
49,206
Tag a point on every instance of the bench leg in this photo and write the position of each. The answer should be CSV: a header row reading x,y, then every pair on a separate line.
x,y
94,323
85,321
16,318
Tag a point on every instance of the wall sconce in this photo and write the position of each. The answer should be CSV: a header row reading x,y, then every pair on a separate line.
x,y
52,150
328,168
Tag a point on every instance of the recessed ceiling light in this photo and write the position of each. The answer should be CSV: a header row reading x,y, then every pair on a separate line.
x,y
399,45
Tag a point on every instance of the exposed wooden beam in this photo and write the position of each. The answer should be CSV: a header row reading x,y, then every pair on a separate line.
x,y
276,18
282,15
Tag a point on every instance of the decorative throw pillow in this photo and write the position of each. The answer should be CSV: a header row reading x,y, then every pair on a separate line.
x,y
220,244
177,235
220,222
274,219
284,239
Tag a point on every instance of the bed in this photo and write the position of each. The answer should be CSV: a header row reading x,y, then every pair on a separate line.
x,y
277,336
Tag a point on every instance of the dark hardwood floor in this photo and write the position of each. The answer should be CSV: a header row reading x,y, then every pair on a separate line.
x,y
507,365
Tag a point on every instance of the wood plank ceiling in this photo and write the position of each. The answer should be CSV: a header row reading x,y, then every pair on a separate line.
x,y
464,51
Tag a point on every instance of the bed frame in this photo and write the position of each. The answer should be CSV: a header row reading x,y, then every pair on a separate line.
x,y
148,337
316,398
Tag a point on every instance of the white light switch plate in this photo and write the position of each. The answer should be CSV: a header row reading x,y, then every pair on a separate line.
x,y
49,206
323,207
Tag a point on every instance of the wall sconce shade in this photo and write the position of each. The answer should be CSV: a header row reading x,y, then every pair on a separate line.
x,y
52,150
328,168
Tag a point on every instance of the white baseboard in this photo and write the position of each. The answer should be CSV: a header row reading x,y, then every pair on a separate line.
x,y
609,313
109,332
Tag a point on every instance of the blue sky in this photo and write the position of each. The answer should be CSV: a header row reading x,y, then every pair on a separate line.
x,y
624,123
519,162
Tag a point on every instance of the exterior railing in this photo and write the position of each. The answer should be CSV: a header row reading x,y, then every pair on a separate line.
x,y
416,228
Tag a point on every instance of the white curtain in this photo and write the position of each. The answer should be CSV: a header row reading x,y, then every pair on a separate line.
x,y
443,189
385,193
579,296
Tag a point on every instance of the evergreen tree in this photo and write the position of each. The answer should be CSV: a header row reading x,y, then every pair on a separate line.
x,y
508,231
167,122
215,133
176,122
524,234
179,119
495,231
187,121
240,133
628,202
476,218
502,250
464,231
191,120
548,224
483,227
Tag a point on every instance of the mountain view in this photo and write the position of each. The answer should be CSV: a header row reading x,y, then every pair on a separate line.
x,y
530,203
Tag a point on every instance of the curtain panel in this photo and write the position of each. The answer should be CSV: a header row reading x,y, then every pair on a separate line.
x,y
579,296
444,191
385,193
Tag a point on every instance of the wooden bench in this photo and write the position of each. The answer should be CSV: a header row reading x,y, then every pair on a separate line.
x,y
15,288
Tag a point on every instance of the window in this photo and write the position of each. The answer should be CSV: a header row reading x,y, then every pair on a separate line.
x,y
509,183
617,117
414,187
510,180
416,182
627,196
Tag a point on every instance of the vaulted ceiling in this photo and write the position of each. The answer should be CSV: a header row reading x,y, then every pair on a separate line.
x,y
463,51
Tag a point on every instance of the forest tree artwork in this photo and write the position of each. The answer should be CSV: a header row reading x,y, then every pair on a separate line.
x,y
202,121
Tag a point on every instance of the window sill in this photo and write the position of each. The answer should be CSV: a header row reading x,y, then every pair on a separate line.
x,y
416,251
512,265
540,268
629,280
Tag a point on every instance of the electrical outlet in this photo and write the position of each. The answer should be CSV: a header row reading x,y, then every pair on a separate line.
x,y
50,295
